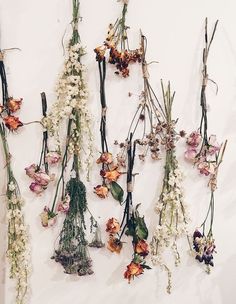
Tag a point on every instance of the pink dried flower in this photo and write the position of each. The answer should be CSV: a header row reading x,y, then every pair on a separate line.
x,y
64,205
206,168
53,157
194,139
31,170
36,188
42,178
214,146
190,154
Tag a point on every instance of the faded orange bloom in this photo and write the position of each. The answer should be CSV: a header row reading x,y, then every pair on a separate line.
x,y
112,175
141,248
12,122
114,245
105,158
14,104
113,226
133,270
101,191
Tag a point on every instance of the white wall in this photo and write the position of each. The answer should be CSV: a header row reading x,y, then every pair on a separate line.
x,y
175,34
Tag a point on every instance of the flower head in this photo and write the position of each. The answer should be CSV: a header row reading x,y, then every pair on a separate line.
x,y
31,170
12,122
36,188
64,205
141,248
133,270
48,217
111,176
114,245
206,168
190,154
194,139
42,178
113,226
105,158
53,157
101,191
14,104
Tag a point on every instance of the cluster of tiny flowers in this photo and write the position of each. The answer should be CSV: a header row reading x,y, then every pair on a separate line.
x,y
173,221
18,251
72,95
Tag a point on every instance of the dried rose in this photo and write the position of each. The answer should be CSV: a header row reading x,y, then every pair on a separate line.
x,y
194,139
214,147
105,158
53,157
112,175
101,191
31,170
114,245
64,205
141,248
42,178
14,104
206,168
12,122
133,270
113,226
190,154
36,188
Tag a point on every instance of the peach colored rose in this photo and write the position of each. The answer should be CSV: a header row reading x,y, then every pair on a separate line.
x,y
113,226
114,245
141,248
105,158
14,104
133,270
101,191
12,122
112,175
53,157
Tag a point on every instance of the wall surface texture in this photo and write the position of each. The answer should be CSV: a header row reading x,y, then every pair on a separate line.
x,y
175,32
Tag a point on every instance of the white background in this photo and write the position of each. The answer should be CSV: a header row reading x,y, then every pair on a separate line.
x,y
175,32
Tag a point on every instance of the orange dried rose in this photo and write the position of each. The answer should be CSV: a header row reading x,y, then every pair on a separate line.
x,y
112,175
105,158
133,270
114,245
141,248
14,104
12,122
113,226
101,191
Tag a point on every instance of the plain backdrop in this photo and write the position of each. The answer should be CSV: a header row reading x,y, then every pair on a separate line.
x,y
175,32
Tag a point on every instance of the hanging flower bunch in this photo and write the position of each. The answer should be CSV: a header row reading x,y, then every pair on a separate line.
x,y
207,154
202,150
10,105
72,96
72,252
170,207
117,44
40,172
148,121
132,225
121,56
17,238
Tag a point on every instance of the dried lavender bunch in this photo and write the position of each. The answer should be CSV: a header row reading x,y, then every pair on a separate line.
x,y
170,207
72,252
